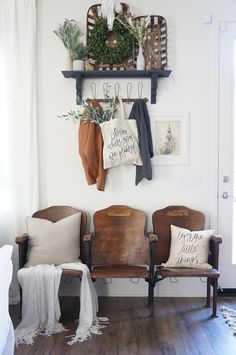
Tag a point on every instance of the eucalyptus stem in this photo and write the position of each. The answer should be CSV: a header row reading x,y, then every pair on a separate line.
x,y
138,29
92,114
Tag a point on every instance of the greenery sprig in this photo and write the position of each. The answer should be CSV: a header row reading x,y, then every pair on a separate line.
x,y
138,29
70,34
80,52
92,114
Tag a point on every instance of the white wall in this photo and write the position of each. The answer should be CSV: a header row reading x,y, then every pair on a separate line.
x,y
191,87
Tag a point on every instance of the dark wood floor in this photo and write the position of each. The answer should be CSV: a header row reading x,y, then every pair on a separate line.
x,y
180,326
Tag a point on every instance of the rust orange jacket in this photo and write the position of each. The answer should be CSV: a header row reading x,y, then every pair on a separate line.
x,y
91,151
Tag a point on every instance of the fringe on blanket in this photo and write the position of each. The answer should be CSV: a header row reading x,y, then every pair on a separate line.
x,y
230,318
41,313
83,333
27,336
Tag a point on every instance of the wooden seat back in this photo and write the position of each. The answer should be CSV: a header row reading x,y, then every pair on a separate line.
x,y
119,237
179,216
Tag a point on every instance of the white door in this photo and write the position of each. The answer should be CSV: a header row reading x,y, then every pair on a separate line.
x,y
227,154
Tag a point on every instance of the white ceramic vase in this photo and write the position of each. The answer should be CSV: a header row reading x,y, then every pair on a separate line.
x,y
68,63
140,59
78,64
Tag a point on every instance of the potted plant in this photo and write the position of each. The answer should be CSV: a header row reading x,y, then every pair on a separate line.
x,y
70,34
78,56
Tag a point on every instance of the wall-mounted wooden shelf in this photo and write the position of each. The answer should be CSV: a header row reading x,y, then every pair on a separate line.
x,y
152,74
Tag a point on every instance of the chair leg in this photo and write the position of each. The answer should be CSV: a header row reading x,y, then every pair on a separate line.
x,y
149,294
208,292
215,286
151,286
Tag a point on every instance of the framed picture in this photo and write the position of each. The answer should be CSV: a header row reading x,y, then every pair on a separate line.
x,y
170,139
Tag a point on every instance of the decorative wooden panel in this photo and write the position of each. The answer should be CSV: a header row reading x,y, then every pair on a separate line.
x,y
155,48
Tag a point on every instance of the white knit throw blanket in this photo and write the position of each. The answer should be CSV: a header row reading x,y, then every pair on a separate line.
x,y
230,318
40,304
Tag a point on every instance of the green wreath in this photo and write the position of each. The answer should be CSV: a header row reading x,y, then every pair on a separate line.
x,y
98,45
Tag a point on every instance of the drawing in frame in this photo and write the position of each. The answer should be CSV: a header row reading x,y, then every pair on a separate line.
x,y
170,135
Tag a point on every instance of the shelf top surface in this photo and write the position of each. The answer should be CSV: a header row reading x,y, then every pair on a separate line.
x,y
116,73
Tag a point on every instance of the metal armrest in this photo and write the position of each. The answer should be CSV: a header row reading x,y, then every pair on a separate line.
x,y
215,241
152,237
87,237
21,239
152,242
87,240
22,242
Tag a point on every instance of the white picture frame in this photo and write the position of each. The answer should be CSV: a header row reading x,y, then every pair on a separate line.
x,y
170,134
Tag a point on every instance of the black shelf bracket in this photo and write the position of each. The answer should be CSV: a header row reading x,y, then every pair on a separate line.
x,y
154,75
154,87
78,89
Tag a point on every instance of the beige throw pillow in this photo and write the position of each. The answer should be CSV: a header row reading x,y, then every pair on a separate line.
x,y
53,243
189,249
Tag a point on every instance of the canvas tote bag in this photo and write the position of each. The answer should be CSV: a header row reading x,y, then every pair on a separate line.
x,y
121,145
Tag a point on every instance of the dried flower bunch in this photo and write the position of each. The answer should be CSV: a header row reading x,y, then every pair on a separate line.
x,y
93,114
139,29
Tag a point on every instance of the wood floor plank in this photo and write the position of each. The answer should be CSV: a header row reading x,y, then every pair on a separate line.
x,y
180,326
